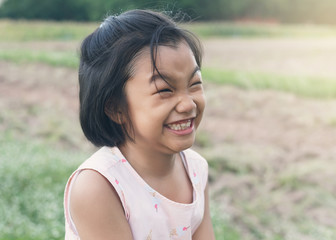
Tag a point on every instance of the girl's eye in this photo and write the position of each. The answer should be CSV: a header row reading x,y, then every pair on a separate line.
x,y
196,83
165,93
166,90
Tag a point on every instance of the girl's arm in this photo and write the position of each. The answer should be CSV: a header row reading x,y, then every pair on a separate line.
x,y
96,209
205,230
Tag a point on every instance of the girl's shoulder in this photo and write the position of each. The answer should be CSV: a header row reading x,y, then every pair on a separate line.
x,y
95,205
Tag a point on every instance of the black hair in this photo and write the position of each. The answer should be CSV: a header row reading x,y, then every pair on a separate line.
x,y
106,60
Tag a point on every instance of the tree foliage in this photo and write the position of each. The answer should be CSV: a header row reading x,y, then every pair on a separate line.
x,y
321,11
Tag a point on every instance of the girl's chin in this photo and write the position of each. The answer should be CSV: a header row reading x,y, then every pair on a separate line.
x,y
182,146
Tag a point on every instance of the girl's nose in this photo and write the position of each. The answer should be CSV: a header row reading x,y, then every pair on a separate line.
x,y
186,104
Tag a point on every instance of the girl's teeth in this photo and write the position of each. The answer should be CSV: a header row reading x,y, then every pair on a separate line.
x,y
181,126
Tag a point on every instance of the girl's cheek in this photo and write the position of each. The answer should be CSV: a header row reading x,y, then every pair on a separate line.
x,y
201,101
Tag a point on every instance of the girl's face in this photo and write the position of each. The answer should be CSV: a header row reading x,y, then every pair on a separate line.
x,y
165,115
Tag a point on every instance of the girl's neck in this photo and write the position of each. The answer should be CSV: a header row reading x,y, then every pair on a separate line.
x,y
149,163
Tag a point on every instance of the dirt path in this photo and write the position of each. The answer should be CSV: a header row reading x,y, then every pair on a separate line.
x,y
298,56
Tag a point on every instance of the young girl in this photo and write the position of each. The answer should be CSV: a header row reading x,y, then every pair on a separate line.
x,y
141,100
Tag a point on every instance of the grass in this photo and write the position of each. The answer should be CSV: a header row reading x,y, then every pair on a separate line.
x,y
313,87
32,177
44,31
223,225
271,204
251,30
65,31
53,58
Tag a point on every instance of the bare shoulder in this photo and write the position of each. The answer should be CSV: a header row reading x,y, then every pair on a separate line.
x,y
96,208
89,184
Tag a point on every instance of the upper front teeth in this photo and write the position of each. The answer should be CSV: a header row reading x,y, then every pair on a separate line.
x,y
181,126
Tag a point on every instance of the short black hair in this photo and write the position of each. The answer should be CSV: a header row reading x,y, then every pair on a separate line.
x,y
106,59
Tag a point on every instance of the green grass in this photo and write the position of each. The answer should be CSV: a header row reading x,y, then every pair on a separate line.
x,y
33,176
272,204
53,58
312,87
248,30
223,227
44,31
65,31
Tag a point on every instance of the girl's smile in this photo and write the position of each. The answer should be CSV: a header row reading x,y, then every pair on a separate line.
x,y
182,127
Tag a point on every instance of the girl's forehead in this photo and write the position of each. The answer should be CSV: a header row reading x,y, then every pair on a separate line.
x,y
158,53
170,62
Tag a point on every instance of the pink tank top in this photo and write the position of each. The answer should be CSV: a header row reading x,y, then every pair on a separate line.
x,y
149,214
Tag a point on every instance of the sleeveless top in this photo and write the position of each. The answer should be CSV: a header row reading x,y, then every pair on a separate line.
x,y
149,214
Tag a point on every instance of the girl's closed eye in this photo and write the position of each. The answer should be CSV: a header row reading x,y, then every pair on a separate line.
x,y
162,88
196,85
199,82
165,92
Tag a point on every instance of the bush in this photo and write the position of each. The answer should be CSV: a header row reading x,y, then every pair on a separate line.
x,y
322,11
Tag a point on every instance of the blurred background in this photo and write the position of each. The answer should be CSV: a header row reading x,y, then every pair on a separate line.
x,y
268,133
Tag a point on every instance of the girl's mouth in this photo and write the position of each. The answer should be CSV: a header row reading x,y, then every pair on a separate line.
x,y
180,126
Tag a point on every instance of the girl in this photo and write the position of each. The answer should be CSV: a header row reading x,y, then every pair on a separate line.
x,y
141,99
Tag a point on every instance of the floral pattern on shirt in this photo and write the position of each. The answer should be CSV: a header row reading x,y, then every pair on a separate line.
x,y
178,232
155,199
149,237
123,199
